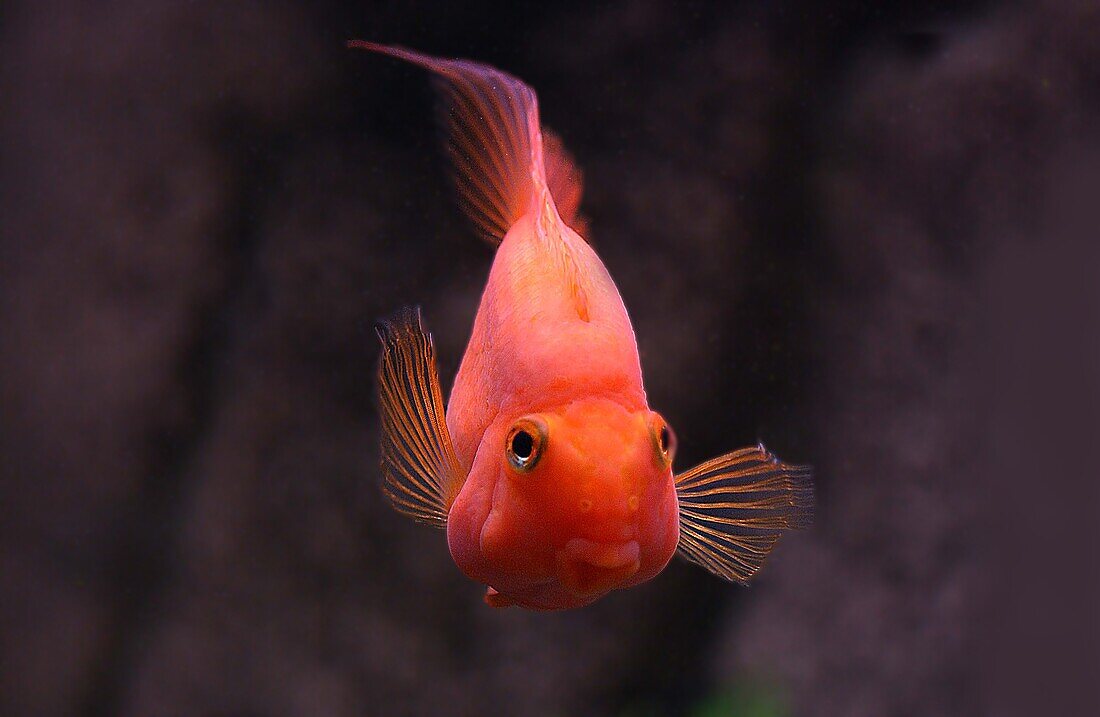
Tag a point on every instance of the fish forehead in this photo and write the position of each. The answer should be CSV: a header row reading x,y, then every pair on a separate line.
x,y
599,449
599,428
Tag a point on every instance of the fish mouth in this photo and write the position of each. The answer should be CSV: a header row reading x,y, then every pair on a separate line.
x,y
589,568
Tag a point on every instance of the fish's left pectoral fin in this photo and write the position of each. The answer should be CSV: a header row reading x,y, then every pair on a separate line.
x,y
421,473
734,508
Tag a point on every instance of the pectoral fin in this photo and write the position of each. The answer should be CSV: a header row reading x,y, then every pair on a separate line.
x,y
421,473
733,509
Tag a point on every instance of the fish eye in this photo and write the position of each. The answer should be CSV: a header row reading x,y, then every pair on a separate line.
x,y
524,444
664,440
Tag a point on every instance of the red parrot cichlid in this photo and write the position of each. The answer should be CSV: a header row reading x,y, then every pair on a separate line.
x,y
548,469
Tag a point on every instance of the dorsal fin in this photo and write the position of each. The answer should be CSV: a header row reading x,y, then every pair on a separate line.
x,y
495,143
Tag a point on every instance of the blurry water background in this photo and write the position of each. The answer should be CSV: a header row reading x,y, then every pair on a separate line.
x,y
863,233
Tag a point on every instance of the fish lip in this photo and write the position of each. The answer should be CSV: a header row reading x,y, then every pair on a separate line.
x,y
590,568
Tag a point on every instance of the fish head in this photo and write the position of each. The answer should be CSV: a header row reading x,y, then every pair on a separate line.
x,y
584,498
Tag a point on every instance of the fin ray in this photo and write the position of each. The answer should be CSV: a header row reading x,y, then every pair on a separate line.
x,y
421,473
734,508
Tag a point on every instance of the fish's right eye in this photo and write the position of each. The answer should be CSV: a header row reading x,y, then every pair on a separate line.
x,y
524,444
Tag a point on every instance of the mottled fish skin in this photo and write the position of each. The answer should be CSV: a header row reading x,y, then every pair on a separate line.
x,y
549,470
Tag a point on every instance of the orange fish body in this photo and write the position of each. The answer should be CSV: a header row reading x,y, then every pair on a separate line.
x,y
552,341
548,469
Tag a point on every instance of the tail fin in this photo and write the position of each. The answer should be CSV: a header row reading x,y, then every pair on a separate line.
x,y
501,164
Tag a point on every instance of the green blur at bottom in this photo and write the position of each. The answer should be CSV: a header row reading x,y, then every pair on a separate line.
x,y
740,699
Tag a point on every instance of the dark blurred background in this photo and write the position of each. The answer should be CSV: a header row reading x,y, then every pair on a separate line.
x,y
863,235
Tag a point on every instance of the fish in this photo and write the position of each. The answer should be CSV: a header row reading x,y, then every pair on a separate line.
x,y
548,470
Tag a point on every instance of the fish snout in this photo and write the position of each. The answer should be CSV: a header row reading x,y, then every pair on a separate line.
x,y
610,499
588,568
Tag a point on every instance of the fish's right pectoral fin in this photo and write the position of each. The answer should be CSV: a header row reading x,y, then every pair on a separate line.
x,y
734,508
421,473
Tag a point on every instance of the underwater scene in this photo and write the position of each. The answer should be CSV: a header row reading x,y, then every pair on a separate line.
x,y
636,359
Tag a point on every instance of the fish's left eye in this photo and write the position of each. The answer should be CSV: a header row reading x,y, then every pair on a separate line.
x,y
664,440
